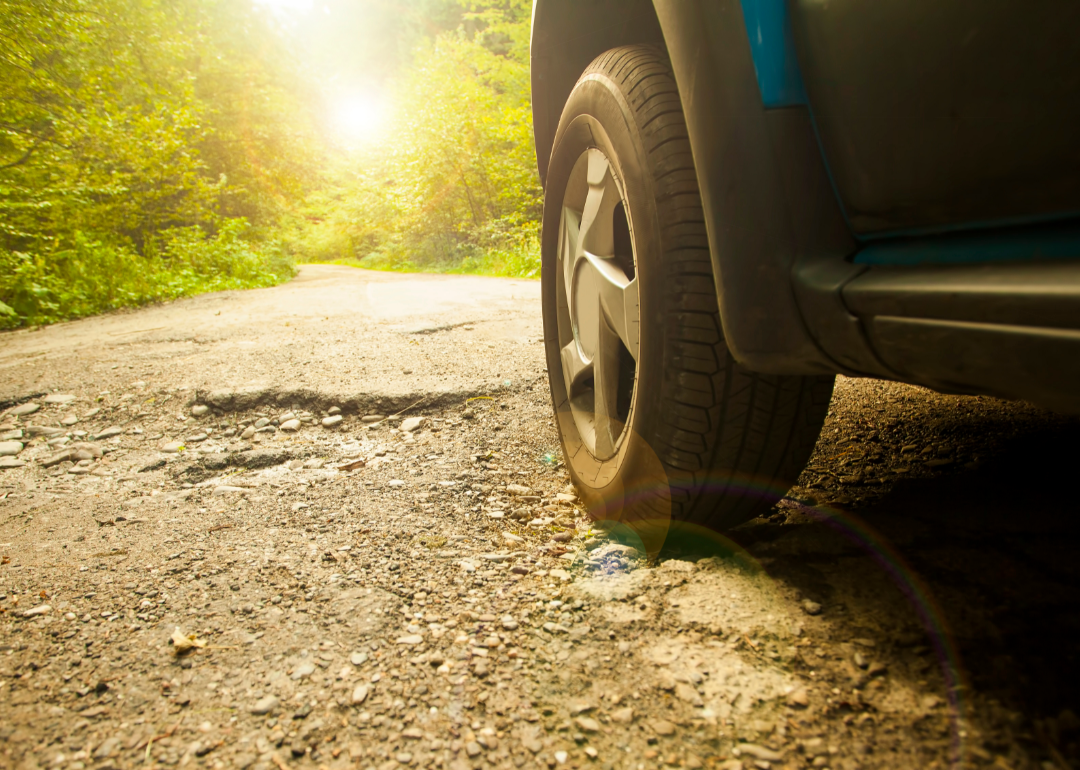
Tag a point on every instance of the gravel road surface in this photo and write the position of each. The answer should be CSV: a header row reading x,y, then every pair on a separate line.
x,y
327,525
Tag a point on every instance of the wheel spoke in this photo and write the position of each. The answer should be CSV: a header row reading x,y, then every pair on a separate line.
x,y
575,368
616,301
605,391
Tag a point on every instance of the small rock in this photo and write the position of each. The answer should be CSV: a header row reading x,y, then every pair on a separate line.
x,y
10,448
107,748
412,639
332,421
172,447
199,410
198,438
396,483
561,757
333,410
562,497
24,409
561,574
472,748
509,623
11,462
662,727
249,431
592,753
41,609
411,424
518,490
266,705
225,489
69,420
811,607
370,418
468,566
290,426
687,694
59,398
623,716
798,698
359,695
512,539
358,658
587,724
303,670
759,752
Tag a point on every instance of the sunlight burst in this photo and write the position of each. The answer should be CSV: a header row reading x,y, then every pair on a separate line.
x,y
360,116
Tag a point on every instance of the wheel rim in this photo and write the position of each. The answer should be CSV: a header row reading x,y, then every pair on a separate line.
x,y
599,304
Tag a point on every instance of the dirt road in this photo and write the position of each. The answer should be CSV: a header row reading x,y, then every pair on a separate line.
x,y
214,551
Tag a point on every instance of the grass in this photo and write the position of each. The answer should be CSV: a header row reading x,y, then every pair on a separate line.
x,y
518,261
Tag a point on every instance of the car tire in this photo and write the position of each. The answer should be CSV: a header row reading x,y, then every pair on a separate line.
x,y
659,425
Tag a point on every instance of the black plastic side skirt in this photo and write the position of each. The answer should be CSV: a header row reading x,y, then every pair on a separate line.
x,y
1008,330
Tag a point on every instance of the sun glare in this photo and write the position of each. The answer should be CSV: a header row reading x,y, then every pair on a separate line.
x,y
359,117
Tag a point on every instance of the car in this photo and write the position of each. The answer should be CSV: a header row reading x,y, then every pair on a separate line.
x,y
745,199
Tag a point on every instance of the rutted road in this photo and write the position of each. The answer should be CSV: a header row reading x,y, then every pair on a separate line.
x,y
423,591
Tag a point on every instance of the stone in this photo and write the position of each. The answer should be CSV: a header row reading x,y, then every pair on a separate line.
x,y
41,609
249,431
687,694
587,724
412,639
561,574
11,462
358,658
411,424
798,698
592,753
199,410
11,435
69,420
623,716
109,432
332,421
759,752
472,748
359,694
290,426
107,748
303,671
59,398
198,438
509,624
225,489
44,430
810,607
561,757
396,483
172,447
518,490
662,727
562,497
10,448
368,419
512,539
24,409
333,410
266,705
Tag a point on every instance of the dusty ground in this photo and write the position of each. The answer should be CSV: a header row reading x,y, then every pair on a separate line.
x,y
445,603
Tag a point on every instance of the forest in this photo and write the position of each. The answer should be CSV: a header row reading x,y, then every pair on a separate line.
x,y
154,149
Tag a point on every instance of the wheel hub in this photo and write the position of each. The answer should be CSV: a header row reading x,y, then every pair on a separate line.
x,y
597,270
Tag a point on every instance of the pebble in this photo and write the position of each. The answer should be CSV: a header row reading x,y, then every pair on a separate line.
x,y
198,438
411,424
358,658
24,409
662,727
518,490
262,422
41,609
412,639
266,705
509,623
798,698
249,431
811,607
290,426
11,435
225,489
397,483
332,421
199,410
303,670
623,716
359,695
10,448
561,574
45,430
69,420
109,432
172,447
587,724
759,752
592,753
11,462
370,418
59,398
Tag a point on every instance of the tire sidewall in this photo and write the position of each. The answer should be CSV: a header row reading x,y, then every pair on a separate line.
x,y
632,484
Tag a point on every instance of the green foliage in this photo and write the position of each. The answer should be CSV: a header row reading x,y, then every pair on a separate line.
x,y
151,149
122,122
